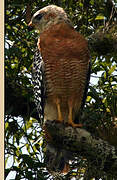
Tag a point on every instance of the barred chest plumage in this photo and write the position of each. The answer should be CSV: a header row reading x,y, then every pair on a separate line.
x,y
66,59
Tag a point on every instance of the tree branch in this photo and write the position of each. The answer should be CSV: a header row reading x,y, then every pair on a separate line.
x,y
79,142
104,41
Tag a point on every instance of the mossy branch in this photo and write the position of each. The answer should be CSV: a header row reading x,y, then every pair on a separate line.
x,y
79,142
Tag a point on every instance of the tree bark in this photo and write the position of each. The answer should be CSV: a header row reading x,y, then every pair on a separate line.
x,y
66,139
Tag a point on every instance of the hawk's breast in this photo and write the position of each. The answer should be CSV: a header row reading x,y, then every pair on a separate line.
x,y
65,54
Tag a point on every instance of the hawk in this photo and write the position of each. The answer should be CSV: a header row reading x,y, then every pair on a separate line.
x,y
61,67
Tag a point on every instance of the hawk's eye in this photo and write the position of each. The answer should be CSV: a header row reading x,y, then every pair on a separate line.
x,y
39,16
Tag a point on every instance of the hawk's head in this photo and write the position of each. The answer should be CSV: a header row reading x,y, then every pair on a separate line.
x,y
48,16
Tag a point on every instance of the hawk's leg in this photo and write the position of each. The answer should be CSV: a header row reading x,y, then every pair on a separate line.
x,y
70,115
57,101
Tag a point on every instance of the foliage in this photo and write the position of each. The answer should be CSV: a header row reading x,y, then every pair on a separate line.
x,y
24,137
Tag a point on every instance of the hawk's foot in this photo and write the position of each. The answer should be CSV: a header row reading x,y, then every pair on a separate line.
x,y
75,125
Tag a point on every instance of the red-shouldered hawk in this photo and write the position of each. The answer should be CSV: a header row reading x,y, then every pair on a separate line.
x,y
61,70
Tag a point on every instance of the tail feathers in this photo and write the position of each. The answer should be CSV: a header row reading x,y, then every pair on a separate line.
x,y
57,160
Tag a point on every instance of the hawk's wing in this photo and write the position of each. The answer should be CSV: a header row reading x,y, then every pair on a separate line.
x,y
86,86
39,83
79,113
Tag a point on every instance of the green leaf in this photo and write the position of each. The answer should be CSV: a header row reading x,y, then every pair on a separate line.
x,y
99,17
112,69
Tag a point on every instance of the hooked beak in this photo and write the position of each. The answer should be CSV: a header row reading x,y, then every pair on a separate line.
x,y
30,26
30,23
